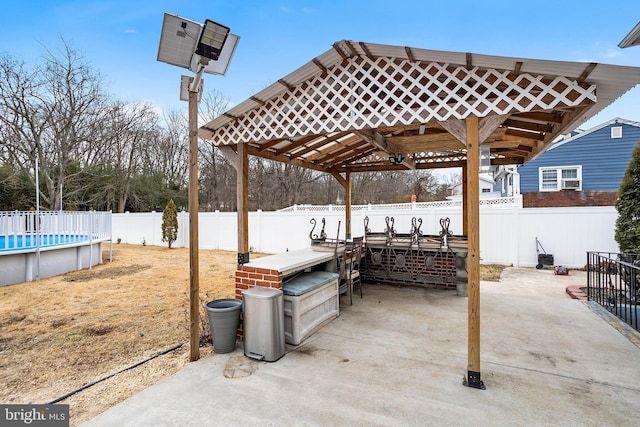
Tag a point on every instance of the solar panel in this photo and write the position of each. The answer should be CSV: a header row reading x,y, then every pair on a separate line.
x,y
178,40
222,64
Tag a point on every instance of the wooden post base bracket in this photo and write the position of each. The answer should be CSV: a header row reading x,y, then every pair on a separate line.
x,y
474,380
243,258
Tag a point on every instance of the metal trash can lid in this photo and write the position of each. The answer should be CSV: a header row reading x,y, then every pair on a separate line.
x,y
262,293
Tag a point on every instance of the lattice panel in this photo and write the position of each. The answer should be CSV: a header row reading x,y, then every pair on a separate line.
x,y
369,93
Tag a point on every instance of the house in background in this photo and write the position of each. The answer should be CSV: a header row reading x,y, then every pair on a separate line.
x,y
584,169
487,189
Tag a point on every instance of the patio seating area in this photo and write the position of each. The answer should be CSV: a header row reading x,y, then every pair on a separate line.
x,y
398,357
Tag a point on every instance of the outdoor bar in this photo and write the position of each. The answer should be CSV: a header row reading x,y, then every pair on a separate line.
x,y
414,258
365,107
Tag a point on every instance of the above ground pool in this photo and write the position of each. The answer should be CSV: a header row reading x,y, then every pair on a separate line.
x,y
29,241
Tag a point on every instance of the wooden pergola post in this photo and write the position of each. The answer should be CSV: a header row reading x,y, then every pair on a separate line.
x,y
472,209
347,202
242,194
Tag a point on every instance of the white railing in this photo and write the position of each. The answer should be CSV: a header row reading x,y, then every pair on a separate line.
x,y
74,226
512,201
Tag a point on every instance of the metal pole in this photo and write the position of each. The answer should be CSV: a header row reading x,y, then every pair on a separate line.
x,y
194,281
37,221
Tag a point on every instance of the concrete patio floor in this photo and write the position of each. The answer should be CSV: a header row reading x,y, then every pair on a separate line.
x,y
398,357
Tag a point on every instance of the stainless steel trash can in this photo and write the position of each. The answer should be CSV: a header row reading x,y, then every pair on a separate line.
x,y
263,323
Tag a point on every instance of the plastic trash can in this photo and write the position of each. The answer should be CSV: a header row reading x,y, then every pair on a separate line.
x,y
224,319
263,323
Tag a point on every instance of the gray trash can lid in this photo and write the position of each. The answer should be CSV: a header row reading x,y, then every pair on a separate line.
x,y
262,292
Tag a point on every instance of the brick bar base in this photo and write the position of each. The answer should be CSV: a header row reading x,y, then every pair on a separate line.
x,y
250,277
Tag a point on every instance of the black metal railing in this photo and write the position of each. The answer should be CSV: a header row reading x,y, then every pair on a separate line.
x,y
613,281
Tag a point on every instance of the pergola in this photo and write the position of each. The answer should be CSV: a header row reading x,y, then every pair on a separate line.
x,y
362,107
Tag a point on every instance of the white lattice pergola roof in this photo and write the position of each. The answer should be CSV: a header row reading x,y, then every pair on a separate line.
x,y
356,104
359,106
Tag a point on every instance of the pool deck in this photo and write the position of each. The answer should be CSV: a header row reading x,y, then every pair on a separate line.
x,y
398,357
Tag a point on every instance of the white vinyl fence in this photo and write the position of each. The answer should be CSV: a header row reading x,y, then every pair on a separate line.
x,y
507,231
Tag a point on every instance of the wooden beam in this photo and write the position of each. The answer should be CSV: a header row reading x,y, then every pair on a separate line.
x,y
269,144
509,140
516,69
284,159
473,258
586,72
339,178
379,141
242,195
285,84
369,167
539,116
410,56
231,116
295,144
488,124
426,139
366,50
534,136
456,127
350,160
257,100
325,148
346,154
536,127
336,47
319,65
229,154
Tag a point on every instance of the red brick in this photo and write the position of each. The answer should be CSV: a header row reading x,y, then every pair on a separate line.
x,y
568,198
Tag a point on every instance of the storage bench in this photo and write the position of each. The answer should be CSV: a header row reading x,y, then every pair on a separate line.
x,y
310,302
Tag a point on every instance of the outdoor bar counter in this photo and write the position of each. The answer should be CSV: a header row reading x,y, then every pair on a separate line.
x,y
309,284
293,261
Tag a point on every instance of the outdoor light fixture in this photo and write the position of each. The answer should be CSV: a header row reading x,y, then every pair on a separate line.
x,y
199,48
212,39
202,49
396,159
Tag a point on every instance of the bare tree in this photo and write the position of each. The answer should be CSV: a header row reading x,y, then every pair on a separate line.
x,y
217,176
50,113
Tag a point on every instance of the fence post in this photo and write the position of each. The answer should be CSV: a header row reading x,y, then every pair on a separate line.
x,y
515,233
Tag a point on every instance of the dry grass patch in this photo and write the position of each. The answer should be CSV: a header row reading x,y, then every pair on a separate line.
x,y
491,272
61,333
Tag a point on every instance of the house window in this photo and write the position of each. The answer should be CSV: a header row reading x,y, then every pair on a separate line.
x,y
616,132
486,190
558,178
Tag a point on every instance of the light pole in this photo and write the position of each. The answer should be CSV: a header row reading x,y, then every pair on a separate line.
x,y
201,48
37,220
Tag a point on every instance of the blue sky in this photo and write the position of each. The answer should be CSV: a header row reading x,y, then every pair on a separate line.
x,y
120,38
